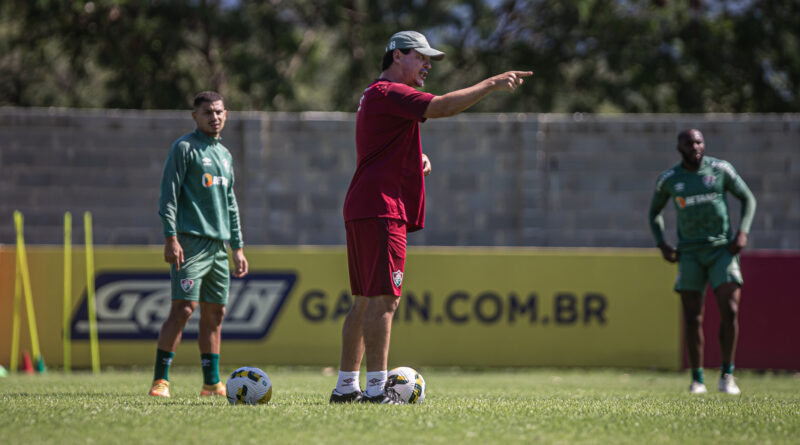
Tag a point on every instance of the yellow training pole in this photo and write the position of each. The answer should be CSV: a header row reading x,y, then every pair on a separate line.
x,y
14,365
92,313
66,349
26,290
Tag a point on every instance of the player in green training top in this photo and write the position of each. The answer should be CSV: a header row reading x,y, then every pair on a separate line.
x,y
199,213
707,248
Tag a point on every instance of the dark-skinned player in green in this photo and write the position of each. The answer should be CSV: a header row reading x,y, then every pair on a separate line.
x,y
708,250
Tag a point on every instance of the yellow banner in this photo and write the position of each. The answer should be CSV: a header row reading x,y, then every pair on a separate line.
x,y
461,306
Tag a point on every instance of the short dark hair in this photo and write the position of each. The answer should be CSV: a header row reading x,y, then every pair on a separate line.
x,y
207,96
388,58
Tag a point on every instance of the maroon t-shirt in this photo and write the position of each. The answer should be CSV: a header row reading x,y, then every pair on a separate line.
x,y
388,181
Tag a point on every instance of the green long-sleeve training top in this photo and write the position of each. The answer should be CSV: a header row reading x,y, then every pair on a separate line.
x,y
197,190
699,199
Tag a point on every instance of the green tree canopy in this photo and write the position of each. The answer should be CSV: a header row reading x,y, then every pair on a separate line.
x,y
276,55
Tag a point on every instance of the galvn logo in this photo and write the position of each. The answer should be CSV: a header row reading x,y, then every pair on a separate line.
x,y
134,306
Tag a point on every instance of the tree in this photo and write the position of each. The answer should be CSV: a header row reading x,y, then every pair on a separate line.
x,y
588,55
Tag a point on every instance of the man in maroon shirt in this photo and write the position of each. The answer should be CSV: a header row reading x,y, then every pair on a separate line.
x,y
386,199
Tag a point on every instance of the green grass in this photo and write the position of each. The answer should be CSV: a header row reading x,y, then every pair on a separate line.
x,y
472,406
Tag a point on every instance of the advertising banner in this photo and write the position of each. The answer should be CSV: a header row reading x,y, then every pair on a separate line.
x,y
460,307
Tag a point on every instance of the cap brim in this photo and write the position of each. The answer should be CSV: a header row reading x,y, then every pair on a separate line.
x,y
434,54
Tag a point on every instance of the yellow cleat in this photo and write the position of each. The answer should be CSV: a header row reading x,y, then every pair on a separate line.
x,y
217,389
160,388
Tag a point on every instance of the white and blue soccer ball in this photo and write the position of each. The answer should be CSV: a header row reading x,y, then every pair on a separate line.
x,y
249,386
408,383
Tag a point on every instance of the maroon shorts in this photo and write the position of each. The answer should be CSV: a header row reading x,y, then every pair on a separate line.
x,y
376,256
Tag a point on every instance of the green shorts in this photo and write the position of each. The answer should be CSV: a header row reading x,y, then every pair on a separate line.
x,y
715,264
204,274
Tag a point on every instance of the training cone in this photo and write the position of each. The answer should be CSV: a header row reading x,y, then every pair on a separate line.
x,y
39,366
27,365
3,372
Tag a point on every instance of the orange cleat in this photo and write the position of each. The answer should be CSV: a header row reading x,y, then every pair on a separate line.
x,y
217,389
160,388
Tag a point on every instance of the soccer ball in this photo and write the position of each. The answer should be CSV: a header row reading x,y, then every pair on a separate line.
x,y
408,383
249,386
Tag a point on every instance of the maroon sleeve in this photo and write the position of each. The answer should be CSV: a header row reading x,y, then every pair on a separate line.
x,y
407,102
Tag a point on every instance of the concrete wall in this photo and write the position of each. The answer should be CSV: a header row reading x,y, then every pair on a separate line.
x,y
527,179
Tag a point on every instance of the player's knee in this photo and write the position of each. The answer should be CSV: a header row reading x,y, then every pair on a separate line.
x,y
217,316
212,315
733,307
382,306
390,303
181,313
729,311
693,320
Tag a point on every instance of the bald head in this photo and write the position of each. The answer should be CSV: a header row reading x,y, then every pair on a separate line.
x,y
692,147
688,135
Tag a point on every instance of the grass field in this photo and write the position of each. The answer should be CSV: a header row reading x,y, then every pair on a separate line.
x,y
462,406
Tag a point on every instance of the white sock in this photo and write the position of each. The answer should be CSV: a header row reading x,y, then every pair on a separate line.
x,y
376,380
348,382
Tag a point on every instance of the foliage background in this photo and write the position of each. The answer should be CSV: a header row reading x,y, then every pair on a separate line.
x,y
599,56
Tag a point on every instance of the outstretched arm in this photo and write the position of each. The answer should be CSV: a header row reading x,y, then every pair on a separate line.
x,y
457,101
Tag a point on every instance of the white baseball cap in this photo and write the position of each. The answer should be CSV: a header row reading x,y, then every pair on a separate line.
x,y
415,41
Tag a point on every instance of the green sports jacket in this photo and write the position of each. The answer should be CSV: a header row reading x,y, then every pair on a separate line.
x,y
699,199
197,190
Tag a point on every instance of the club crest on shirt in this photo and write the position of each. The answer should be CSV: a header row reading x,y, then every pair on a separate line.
x,y
709,181
226,165
186,284
397,278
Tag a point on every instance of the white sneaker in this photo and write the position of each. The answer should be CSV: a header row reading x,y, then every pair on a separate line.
x,y
697,388
728,385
